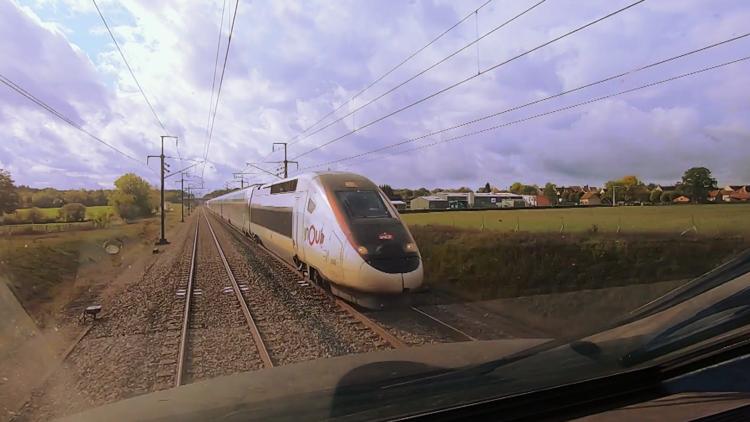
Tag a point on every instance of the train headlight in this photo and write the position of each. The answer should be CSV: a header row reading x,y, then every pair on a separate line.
x,y
362,250
410,247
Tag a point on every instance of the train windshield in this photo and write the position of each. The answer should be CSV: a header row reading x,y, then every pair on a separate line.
x,y
363,204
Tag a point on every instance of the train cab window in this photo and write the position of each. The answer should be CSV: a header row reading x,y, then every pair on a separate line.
x,y
310,205
363,204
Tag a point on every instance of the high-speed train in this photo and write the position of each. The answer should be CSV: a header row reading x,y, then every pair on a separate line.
x,y
338,227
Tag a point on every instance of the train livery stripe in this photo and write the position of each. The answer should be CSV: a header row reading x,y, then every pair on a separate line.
x,y
277,219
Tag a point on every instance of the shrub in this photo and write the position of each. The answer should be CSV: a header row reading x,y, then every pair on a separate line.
x,y
103,220
72,212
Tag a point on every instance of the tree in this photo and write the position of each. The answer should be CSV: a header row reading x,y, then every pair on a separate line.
x,y
550,191
667,197
697,182
516,187
132,197
421,192
72,212
529,190
47,198
655,196
388,191
627,189
75,196
486,189
8,194
35,215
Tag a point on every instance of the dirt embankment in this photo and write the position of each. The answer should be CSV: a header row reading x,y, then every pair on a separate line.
x,y
482,265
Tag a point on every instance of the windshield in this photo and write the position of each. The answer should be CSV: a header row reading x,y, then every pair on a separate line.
x,y
366,209
363,204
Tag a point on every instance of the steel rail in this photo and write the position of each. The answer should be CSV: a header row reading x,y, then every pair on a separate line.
x,y
186,313
444,324
259,343
389,338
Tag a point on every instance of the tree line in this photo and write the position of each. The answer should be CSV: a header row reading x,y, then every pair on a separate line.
x,y
695,184
133,197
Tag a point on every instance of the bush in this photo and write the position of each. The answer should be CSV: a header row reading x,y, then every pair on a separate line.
x,y
11,219
103,220
132,198
72,212
490,264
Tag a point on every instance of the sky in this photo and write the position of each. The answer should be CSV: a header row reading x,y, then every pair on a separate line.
x,y
291,63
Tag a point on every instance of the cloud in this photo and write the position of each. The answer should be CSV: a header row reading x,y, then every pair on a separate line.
x,y
293,62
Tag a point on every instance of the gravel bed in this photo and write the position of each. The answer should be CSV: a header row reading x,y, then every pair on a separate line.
x,y
120,356
412,328
297,322
219,339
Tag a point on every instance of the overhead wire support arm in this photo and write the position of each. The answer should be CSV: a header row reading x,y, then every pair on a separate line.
x,y
263,170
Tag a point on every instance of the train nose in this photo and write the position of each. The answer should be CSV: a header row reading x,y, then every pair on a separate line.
x,y
391,276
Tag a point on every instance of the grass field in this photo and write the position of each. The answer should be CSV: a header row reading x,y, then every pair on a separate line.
x,y
91,212
709,219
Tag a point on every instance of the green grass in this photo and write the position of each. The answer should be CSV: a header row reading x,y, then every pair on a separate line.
x,y
91,212
709,219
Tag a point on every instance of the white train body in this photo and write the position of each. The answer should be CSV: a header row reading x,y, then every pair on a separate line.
x,y
338,226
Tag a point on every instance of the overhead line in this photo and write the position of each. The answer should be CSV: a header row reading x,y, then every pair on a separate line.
x,y
129,68
537,101
62,117
216,66
221,83
583,103
493,67
394,68
432,66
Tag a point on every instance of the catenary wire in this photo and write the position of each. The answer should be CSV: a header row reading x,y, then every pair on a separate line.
x,y
427,69
534,102
461,82
391,70
573,106
62,117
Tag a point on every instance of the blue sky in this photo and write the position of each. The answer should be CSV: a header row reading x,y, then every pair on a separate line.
x,y
291,63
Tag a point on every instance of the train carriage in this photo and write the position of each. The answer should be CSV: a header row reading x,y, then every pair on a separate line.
x,y
338,227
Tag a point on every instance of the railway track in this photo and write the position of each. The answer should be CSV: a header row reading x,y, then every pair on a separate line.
x,y
218,335
430,328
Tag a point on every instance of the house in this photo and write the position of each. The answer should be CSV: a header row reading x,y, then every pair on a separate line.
x,y
735,193
681,199
714,195
665,188
399,205
591,198
429,203
542,201
498,200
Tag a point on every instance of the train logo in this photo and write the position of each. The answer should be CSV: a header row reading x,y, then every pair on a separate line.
x,y
314,236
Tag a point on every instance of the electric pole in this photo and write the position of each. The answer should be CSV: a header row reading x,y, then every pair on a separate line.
x,y
241,176
162,239
285,162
